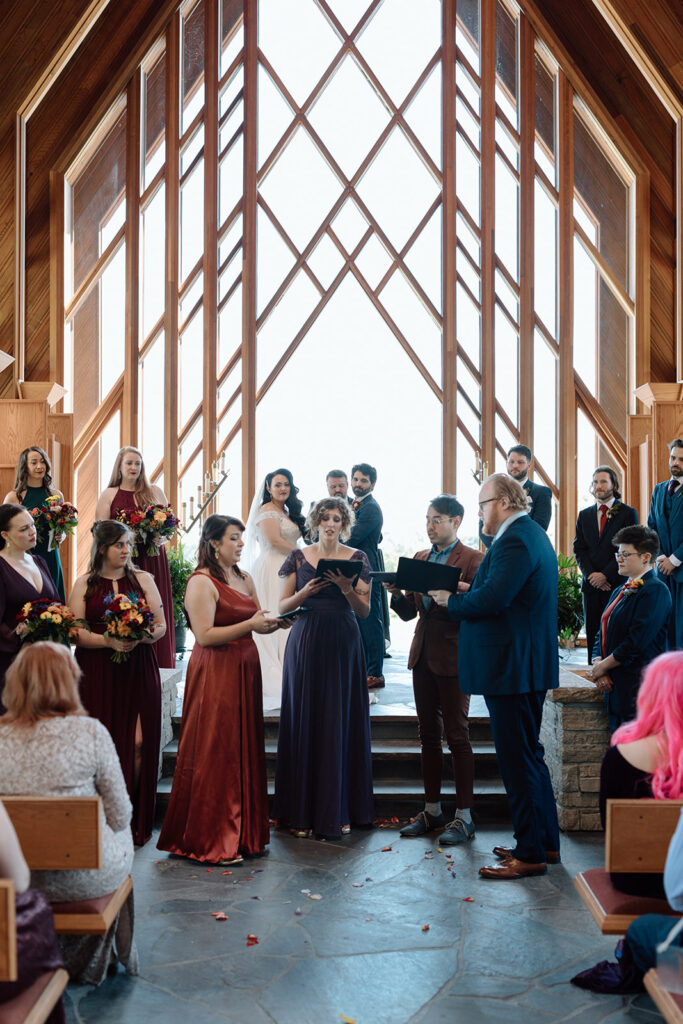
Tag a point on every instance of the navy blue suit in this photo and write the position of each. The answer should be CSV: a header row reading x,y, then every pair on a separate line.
x,y
366,536
540,511
508,652
594,552
636,633
666,517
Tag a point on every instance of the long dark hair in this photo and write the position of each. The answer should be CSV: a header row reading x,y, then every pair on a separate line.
x,y
213,530
143,488
613,477
7,514
293,504
106,532
21,479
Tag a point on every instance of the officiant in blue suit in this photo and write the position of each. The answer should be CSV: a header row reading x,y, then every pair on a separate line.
x,y
508,652
666,518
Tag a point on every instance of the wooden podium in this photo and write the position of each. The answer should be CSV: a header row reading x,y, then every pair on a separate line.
x,y
649,435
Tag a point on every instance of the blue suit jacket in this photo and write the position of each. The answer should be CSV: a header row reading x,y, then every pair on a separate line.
x,y
540,511
508,632
367,531
669,530
636,634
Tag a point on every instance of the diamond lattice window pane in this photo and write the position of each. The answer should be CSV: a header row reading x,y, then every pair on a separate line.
x,y
284,322
467,177
398,42
507,218
414,322
373,261
299,42
274,114
507,364
349,225
275,260
230,179
349,116
349,12
326,261
230,326
398,188
300,188
424,115
468,326
424,258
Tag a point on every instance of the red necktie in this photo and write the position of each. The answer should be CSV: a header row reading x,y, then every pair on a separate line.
x,y
605,619
603,517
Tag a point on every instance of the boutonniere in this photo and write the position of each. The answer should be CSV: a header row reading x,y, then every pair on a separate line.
x,y
634,585
355,505
614,510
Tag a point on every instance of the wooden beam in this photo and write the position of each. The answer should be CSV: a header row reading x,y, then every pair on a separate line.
x,y
449,382
526,227
487,179
249,255
172,127
57,280
567,397
211,69
129,410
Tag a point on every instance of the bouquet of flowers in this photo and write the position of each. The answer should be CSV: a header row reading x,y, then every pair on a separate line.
x,y
56,518
148,524
44,619
127,617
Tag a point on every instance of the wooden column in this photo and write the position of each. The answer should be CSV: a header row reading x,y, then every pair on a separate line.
x,y
129,409
526,227
567,402
488,258
249,257
210,228
449,339
57,279
172,205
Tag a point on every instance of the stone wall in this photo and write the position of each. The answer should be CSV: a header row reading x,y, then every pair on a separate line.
x,y
170,678
575,735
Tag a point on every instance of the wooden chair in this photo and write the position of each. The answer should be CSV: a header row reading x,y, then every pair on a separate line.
x,y
669,1004
35,1004
64,834
637,837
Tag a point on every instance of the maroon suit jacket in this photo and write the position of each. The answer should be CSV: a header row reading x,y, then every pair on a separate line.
x,y
436,634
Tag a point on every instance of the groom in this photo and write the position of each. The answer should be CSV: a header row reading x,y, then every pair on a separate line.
x,y
366,536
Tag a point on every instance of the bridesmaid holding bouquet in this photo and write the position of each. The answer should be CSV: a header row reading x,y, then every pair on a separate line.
x,y
32,488
129,490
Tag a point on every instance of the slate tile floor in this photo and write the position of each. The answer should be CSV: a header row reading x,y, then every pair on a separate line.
x,y
360,950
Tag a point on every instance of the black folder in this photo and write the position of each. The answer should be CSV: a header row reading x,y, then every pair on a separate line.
x,y
415,574
349,567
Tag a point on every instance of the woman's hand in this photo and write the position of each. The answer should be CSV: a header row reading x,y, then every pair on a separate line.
x,y
20,629
313,586
287,622
340,580
261,623
119,645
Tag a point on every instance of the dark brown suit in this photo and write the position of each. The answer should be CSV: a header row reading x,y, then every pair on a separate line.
x,y
441,705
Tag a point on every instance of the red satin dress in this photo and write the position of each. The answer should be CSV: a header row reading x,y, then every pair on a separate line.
x,y
156,566
219,800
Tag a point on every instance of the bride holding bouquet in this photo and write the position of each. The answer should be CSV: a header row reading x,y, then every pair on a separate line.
x,y
133,500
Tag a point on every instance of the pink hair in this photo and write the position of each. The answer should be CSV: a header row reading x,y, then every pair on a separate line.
x,y
660,710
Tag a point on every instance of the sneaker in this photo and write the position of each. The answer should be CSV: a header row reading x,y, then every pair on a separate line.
x,y
457,831
423,823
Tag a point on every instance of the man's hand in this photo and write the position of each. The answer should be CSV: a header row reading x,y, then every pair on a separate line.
x,y
440,597
665,566
599,581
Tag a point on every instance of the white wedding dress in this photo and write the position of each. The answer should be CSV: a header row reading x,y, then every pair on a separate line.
x,y
264,571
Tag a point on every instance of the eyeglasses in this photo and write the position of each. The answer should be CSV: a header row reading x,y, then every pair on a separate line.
x,y
621,556
486,501
438,520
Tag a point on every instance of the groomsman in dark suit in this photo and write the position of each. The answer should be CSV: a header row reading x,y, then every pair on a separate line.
x,y
366,536
593,550
337,484
507,651
666,517
517,466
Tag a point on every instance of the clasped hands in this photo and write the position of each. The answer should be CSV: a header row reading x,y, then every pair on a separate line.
x,y
599,676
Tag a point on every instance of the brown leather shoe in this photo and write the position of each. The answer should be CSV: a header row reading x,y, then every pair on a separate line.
x,y
512,868
503,852
376,682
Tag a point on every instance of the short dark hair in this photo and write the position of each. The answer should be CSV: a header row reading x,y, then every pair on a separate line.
x,y
613,477
447,505
336,473
644,539
367,470
521,449
676,443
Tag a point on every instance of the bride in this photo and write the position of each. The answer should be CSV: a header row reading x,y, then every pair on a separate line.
x,y
274,528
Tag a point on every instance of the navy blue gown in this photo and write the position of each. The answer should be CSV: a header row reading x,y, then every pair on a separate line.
x,y
323,776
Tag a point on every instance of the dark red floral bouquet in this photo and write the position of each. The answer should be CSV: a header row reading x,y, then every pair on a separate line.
x,y
149,524
55,520
44,619
127,617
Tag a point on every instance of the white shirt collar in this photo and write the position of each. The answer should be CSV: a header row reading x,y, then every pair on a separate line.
x,y
363,498
523,482
504,525
608,503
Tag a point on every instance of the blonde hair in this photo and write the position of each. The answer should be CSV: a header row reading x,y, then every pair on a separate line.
x,y
329,505
514,493
143,488
41,682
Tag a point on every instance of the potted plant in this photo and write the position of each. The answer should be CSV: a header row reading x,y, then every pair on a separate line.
x,y
569,603
181,569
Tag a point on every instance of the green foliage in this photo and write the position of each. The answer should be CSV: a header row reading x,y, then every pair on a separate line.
x,y
569,603
181,570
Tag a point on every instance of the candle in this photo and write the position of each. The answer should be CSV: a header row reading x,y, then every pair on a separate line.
x,y
223,461
199,494
191,508
184,515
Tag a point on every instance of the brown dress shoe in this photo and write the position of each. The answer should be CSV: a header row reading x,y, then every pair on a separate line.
x,y
512,868
503,852
376,682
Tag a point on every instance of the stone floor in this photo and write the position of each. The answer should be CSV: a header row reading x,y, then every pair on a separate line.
x,y
341,936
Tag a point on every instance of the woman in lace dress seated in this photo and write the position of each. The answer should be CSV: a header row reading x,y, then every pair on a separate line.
x,y
49,747
274,528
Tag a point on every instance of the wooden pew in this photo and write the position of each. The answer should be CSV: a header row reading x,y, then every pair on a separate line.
x,y
64,834
637,837
35,1004
669,1004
